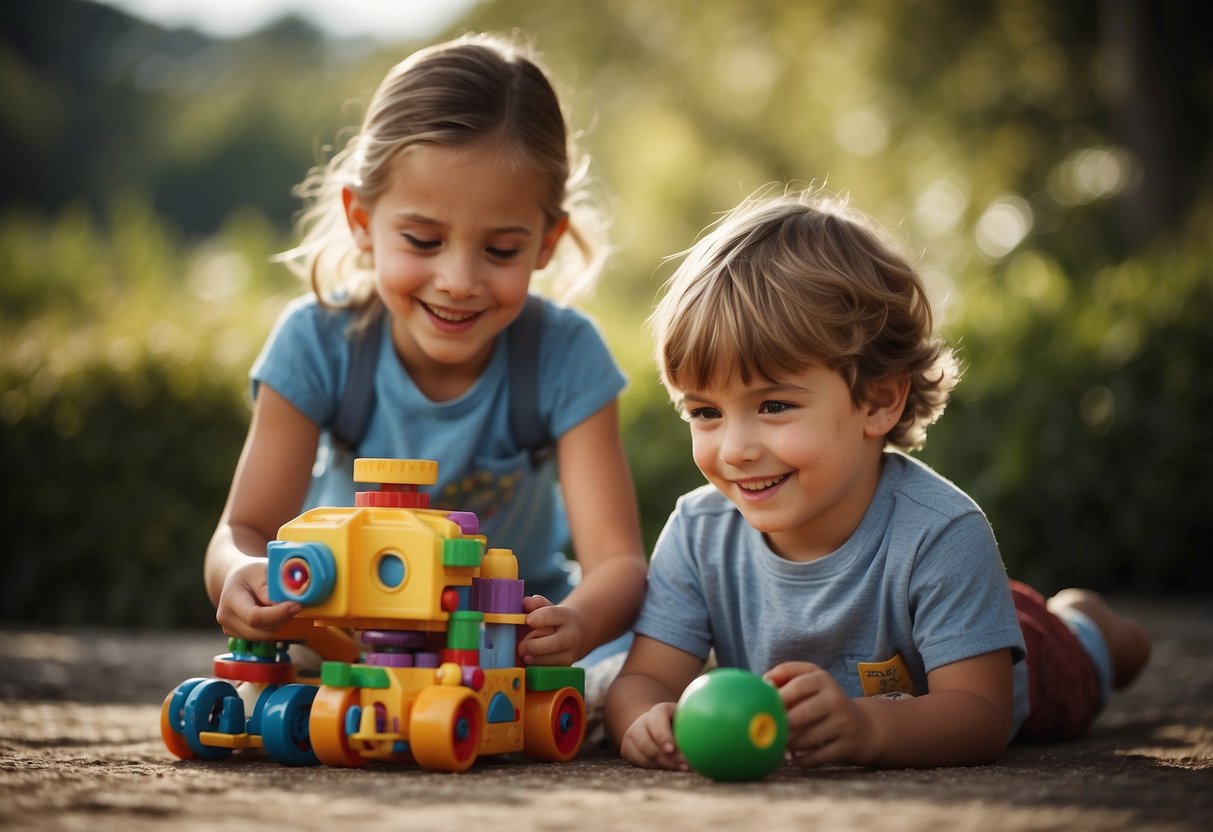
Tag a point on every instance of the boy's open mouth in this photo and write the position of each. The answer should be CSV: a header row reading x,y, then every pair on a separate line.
x,y
762,485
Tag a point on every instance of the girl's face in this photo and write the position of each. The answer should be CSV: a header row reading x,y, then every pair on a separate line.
x,y
454,238
796,456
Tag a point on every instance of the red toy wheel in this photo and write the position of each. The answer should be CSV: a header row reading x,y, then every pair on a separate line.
x,y
553,724
445,729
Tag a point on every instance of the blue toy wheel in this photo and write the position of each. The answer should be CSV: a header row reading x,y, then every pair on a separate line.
x,y
302,572
284,725
172,719
213,705
177,703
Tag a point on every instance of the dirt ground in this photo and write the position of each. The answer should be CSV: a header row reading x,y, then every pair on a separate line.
x,y
80,749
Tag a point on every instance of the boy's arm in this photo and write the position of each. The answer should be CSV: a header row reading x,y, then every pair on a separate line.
x,y
964,719
639,709
604,523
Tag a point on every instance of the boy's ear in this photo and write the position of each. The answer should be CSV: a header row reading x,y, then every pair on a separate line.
x,y
550,238
885,401
358,218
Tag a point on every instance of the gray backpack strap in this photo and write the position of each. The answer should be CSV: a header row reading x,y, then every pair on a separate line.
x,y
525,423
358,400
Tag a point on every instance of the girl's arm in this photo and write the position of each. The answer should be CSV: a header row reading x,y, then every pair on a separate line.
x,y
268,489
639,709
964,719
605,525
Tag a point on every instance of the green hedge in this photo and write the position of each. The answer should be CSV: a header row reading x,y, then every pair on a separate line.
x,y
1081,427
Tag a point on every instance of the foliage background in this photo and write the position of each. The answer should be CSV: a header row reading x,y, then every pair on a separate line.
x,y
1046,165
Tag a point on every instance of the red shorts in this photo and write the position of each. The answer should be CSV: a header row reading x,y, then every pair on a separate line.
x,y
1063,684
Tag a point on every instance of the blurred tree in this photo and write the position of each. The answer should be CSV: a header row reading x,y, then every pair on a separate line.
x,y
99,102
1156,60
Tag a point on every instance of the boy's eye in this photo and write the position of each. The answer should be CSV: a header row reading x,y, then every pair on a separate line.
x,y
501,253
775,408
422,245
700,414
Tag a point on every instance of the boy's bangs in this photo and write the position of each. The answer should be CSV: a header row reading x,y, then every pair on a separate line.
x,y
721,336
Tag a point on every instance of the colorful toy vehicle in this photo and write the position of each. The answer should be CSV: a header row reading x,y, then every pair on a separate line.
x,y
439,618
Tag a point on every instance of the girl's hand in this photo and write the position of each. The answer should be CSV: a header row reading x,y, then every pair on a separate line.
x,y
244,608
649,741
824,724
556,633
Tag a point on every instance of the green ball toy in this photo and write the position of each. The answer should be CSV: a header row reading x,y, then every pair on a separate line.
x,y
731,725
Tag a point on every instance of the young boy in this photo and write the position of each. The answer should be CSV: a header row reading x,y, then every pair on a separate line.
x,y
868,589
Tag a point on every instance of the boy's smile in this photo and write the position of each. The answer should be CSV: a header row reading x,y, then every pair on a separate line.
x,y
796,456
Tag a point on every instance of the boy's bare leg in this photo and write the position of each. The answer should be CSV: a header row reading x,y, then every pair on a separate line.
x,y
1128,644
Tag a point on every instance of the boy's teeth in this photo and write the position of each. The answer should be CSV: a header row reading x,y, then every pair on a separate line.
x,y
759,485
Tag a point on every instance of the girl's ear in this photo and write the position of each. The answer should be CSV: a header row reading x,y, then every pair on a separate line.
x,y
550,238
885,401
358,218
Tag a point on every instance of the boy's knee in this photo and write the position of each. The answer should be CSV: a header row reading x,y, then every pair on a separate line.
x,y
1128,643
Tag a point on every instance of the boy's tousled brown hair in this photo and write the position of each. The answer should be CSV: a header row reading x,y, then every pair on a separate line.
x,y
781,282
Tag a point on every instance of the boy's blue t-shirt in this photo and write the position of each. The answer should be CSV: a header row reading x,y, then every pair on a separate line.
x,y
920,584
480,468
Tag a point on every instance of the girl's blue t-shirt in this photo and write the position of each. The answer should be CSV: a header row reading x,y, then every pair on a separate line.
x,y
480,466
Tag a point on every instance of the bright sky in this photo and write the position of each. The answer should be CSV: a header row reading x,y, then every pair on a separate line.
x,y
383,19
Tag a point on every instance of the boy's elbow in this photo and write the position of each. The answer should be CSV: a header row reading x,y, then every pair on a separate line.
x,y
991,742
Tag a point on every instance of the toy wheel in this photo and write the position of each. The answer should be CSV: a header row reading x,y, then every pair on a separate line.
x,y
284,725
204,711
327,727
553,724
172,720
445,728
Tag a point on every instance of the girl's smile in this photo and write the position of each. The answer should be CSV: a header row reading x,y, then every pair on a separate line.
x,y
449,319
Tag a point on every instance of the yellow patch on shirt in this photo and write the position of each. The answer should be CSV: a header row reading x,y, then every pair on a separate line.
x,y
880,678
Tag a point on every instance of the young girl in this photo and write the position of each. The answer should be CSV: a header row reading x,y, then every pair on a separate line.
x,y
426,229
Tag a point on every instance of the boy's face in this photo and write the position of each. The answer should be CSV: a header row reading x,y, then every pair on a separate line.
x,y
796,456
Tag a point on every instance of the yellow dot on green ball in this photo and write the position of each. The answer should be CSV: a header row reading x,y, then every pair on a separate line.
x,y
763,730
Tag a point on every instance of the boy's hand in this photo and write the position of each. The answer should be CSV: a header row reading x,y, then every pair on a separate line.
x,y
824,724
556,633
649,741
244,608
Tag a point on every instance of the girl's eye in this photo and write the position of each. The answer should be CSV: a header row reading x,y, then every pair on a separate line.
x,y
422,245
776,408
502,253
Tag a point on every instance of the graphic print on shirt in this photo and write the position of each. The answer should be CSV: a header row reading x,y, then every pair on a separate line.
x,y
879,678
481,492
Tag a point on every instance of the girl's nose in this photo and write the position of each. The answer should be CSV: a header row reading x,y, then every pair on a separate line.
x,y
458,277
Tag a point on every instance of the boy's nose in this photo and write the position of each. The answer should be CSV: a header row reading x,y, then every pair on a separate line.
x,y
739,444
